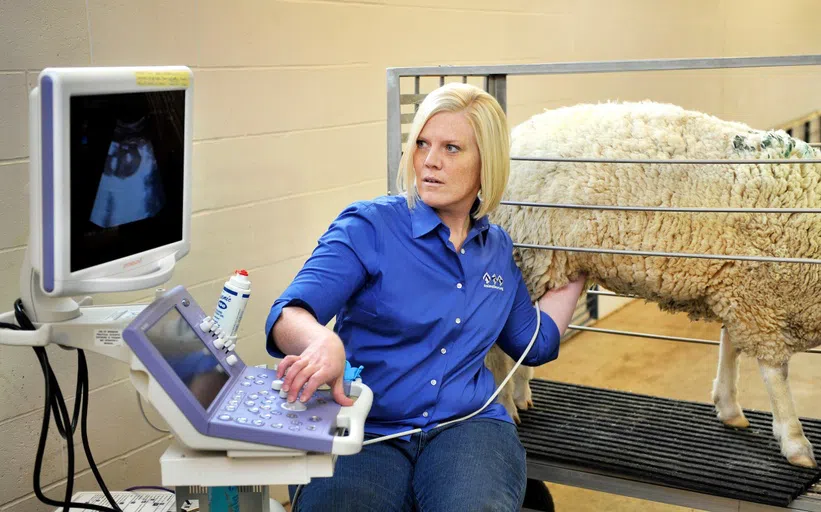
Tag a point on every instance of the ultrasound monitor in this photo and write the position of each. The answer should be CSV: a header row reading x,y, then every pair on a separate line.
x,y
110,177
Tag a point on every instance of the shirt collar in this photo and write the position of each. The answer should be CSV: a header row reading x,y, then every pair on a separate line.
x,y
424,220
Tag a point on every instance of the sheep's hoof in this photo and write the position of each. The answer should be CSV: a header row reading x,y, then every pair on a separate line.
x,y
515,416
737,422
802,460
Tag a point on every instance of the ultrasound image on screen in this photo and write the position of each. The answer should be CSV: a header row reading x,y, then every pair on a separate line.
x,y
193,363
126,179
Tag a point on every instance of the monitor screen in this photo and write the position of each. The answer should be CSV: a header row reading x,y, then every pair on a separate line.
x,y
126,164
185,353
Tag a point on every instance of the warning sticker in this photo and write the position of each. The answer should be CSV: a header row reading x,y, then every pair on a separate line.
x,y
163,78
108,337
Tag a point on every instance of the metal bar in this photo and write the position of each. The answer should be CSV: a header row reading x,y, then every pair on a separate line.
x,y
768,259
394,129
613,294
613,483
612,66
655,336
497,87
662,208
642,335
668,162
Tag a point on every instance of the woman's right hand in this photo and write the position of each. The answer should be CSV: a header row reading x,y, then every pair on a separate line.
x,y
321,362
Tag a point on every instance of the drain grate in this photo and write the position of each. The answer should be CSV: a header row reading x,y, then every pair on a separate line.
x,y
662,441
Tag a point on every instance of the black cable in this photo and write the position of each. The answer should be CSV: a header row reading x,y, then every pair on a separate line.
x,y
54,403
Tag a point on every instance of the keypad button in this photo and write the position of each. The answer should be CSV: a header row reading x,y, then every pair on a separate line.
x,y
250,403
311,427
242,419
315,418
259,423
246,384
276,425
268,401
276,413
265,407
225,417
265,415
276,385
233,402
253,396
294,428
260,381
231,408
294,406
254,410
291,415
249,377
264,392
263,375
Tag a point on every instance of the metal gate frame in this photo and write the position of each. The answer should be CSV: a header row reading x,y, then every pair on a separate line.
x,y
495,82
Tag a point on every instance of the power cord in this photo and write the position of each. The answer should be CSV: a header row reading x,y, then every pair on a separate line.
x,y
55,404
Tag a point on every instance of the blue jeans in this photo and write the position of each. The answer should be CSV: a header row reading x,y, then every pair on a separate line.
x,y
475,465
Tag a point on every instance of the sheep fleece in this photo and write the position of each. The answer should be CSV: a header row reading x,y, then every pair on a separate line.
x,y
770,309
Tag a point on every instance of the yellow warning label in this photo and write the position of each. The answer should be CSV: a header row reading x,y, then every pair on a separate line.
x,y
163,78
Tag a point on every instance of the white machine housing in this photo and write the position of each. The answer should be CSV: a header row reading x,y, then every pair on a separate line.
x,y
50,180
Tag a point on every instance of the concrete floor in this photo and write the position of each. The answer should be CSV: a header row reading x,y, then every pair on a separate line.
x,y
662,368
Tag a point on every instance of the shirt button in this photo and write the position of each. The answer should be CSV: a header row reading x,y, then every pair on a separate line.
x,y
425,414
458,320
444,350
462,251
459,285
433,382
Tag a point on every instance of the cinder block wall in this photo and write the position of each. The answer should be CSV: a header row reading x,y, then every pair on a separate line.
x,y
290,127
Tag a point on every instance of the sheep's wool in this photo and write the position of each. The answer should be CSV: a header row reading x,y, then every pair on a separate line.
x,y
770,309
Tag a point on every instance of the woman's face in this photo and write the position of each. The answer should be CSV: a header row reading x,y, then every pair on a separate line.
x,y
447,163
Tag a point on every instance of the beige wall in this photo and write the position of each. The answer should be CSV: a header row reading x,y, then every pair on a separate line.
x,y
290,127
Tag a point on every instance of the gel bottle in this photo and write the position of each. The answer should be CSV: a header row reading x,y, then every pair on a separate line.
x,y
231,305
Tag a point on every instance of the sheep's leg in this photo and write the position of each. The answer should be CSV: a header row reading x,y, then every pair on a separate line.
x,y
500,364
725,385
786,427
522,396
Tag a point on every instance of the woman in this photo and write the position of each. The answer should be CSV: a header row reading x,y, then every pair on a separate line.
x,y
422,285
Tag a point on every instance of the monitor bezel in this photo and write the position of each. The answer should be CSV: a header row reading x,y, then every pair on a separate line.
x,y
51,195
135,337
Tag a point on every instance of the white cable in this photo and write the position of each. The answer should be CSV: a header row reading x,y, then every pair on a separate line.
x,y
489,401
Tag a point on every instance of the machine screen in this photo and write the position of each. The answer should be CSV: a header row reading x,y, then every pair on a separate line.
x,y
193,363
126,174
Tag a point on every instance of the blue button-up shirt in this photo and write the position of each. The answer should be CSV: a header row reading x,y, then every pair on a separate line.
x,y
419,315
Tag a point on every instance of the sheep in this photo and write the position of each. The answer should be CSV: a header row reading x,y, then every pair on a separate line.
x,y
768,311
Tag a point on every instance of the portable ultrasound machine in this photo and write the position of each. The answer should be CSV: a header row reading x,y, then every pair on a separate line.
x,y
110,211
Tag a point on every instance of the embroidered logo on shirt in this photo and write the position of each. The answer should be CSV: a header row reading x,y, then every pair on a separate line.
x,y
493,281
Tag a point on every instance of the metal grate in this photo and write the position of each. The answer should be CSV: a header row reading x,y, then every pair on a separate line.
x,y
661,441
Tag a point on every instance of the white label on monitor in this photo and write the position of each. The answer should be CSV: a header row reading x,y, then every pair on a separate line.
x,y
108,337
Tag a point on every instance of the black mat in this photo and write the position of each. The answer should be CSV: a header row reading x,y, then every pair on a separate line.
x,y
661,441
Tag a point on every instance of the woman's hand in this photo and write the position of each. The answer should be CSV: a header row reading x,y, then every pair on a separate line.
x,y
560,303
321,362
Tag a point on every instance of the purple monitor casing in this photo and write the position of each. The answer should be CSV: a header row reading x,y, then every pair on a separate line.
x,y
204,420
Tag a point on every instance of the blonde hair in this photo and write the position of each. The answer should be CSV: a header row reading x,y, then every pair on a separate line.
x,y
490,128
